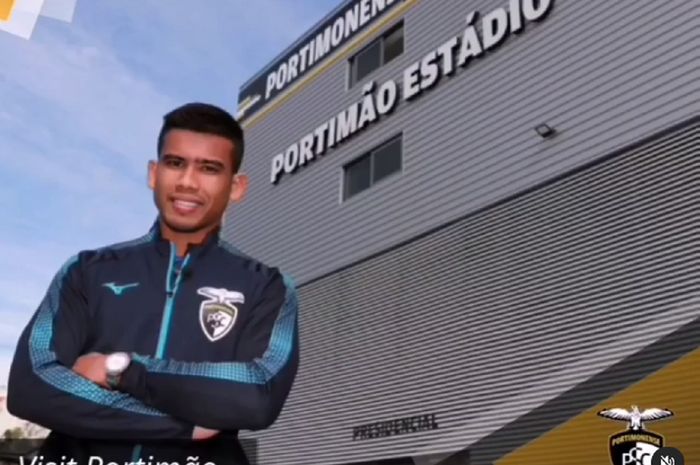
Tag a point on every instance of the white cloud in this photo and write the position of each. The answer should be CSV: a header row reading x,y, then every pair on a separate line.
x,y
99,99
59,9
211,49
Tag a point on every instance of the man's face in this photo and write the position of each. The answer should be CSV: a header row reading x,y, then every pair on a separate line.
x,y
193,180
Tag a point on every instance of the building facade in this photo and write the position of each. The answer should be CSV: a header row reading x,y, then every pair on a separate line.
x,y
491,212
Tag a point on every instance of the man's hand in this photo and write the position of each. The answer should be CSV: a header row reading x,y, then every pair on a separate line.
x,y
200,433
93,367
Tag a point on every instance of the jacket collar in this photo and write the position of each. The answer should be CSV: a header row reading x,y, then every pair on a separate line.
x,y
163,245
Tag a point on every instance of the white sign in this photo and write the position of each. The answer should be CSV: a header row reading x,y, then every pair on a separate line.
x,y
456,52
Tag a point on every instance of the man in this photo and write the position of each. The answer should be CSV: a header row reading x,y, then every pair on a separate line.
x,y
164,347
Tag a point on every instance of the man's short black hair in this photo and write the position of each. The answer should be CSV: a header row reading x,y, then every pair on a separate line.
x,y
207,119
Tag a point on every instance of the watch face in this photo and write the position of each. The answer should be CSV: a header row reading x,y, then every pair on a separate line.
x,y
116,363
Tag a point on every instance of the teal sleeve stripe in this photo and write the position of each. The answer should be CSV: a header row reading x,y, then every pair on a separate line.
x,y
259,371
45,363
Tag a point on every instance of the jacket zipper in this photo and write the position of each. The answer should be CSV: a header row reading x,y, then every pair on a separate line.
x,y
170,291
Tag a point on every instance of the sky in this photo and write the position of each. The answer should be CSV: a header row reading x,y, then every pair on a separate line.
x,y
81,103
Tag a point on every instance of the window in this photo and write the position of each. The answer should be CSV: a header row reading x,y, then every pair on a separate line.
x,y
380,52
375,165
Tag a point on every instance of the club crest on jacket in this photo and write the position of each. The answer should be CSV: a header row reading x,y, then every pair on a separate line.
x,y
217,314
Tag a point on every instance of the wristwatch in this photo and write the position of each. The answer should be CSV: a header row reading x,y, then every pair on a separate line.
x,y
115,364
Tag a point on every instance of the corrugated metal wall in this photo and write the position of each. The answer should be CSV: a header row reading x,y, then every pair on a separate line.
x,y
487,318
603,73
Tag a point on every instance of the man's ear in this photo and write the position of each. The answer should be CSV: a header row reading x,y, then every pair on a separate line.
x,y
239,188
152,166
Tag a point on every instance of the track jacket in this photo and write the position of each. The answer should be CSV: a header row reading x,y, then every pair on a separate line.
x,y
214,342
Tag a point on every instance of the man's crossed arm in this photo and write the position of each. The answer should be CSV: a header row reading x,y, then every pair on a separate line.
x,y
52,385
247,394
